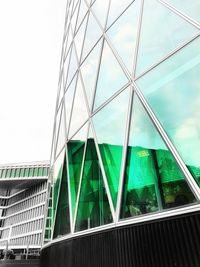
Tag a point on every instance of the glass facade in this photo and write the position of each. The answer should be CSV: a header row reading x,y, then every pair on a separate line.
x,y
126,136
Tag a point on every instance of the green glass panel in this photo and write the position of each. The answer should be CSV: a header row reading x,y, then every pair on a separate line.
x,y
8,173
93,207
108,81
123,34
40,170
62,221
79,111
92,35
117,7
26,172
153,180
30,174
188,7
57,175
12,172
35,172
4,173
111,145
159,39
100,9
89,71
45,171
21,172
17,172
1,173
173,92
75,149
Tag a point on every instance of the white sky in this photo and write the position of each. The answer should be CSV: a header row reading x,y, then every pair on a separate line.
x,y
31,34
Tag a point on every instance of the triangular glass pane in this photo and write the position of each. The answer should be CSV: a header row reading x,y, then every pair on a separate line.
x,y
172,89
153,180
111,77
82,12
100,9
69,95
66,64
73,65
62,221
74,19
110,132
75,149
61,137
57,174
92,35
123,33
79,111
89,71
188,7
79,38
159,39
93,206
67,43
116,9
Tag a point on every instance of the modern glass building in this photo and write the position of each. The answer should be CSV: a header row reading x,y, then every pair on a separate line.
x,y
126,145
23,204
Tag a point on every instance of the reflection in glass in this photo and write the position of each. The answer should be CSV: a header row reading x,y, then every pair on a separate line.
x,y
62,222
93,208
153,180
100,9
111,77
61,131
110,132
116,9
89,71
173,92
92,35
75,149
159,39
123,33
79,110
190,8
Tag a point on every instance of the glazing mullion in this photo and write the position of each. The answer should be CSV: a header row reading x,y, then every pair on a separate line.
x,y
80,181
103,173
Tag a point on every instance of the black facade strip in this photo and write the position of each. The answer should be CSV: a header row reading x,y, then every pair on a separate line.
x,y
171,242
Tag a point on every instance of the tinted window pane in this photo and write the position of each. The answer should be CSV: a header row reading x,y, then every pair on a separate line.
x,y
153,181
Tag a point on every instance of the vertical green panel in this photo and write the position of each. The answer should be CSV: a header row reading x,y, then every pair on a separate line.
x,y
13,173
62,221
40,169
159,39
75,149
4,173
17,172
35,172
110,132
30,174
26,172
1,172
45,171
22,171
8,173
93,207
153,180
